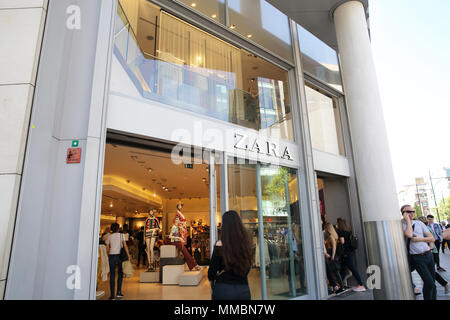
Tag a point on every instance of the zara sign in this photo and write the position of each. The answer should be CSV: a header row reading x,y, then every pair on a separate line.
x,y
266,147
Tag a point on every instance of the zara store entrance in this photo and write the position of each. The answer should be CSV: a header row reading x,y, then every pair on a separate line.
x,y
143,176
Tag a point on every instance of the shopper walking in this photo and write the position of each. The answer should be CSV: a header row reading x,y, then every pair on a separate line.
x,y
231,261
417,238
348,256
114,243
439,278
444,226
438,238
332,256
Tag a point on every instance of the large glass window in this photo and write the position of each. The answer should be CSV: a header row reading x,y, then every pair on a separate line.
x,y
318,59
176,63
324,121
266,197
262,23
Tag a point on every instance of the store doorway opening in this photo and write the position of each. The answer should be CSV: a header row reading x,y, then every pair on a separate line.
x,y
142,190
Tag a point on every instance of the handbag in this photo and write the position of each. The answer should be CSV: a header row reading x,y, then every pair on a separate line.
x,y
123,254
127,269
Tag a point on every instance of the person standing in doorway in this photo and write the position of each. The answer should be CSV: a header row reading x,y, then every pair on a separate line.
x,y
332,256
114,244
438,239
348,256
231,260
418,238
141,247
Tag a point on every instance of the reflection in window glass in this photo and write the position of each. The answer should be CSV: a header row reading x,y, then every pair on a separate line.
x,y
283,264
282,235
319,59
324,122
176,63
262,23
215,9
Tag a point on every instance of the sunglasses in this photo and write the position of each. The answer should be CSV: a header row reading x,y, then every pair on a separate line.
x,y
410,211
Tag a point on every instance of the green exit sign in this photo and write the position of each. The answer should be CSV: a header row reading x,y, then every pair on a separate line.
x,y
75,143
189,166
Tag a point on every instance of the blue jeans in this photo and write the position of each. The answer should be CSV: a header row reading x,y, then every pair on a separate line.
x,y
225,291
348,260
114,260
424,265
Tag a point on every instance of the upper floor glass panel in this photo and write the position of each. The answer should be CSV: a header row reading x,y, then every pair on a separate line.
x,y
257,20
176,63
215,9
319,60
262,23
324,121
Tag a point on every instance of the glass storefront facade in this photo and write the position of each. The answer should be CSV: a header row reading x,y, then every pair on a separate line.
x,y
177,64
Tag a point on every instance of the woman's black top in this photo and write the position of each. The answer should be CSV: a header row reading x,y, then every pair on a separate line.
x,y
217,266
346,235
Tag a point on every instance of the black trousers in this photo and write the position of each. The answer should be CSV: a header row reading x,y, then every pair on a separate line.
x,y
225,291
424,264
143,254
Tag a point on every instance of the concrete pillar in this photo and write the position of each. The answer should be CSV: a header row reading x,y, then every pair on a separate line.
x,y
374,174
21,28
56,229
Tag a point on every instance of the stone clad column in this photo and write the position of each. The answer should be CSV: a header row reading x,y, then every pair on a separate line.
x,y
374,173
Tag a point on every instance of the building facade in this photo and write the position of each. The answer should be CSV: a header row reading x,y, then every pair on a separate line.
x,y
114,108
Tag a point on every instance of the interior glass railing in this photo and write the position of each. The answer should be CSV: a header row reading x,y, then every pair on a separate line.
x,y
200,90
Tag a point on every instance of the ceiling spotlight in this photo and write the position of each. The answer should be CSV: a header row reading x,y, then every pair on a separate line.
x,y
204,179
149,169
154,194
193,4
249,36
214,16
111,205
232,26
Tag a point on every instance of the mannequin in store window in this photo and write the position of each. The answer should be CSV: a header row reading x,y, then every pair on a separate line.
x,y
178,237
151,233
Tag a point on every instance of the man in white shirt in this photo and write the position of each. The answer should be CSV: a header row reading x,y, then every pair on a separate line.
x,y
417,239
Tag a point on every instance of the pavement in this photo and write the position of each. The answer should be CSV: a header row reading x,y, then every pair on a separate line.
x,y
368,294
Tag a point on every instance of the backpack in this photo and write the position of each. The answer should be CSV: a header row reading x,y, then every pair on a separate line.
x,y
353,241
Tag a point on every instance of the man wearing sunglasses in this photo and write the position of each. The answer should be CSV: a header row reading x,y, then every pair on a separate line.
x,y
421,259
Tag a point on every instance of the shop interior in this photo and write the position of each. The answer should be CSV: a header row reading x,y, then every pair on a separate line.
x,y
139,180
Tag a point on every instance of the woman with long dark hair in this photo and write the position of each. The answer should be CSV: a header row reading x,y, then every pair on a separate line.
x,y
231,260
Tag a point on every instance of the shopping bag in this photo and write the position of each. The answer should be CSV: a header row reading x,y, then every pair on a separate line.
x,y
127,268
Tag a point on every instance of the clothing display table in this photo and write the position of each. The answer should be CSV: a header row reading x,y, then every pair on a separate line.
x,y
191,278
149,276
171,274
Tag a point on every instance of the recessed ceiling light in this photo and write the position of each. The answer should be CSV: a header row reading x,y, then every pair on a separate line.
x,y
214,16
111,205
154,194
232,26
249,36
194,4
204,179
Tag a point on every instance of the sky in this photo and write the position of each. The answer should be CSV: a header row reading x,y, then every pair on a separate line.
x,y
411,47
